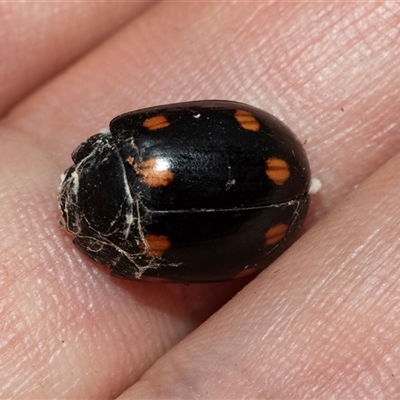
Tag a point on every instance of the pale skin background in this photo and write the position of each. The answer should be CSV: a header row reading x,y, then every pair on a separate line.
x,y
322,322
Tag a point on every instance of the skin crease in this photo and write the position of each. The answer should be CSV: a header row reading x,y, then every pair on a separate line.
x,y
29,33
321,322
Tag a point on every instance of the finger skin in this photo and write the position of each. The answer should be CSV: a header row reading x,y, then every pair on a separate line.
x,y
39,39
69,329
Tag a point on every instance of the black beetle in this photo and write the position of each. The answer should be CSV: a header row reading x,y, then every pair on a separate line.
x,y
190,192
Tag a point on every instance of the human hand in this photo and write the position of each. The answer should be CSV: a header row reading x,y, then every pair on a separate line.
x,y
321,321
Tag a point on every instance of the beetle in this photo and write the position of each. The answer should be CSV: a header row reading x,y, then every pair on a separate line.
x,y
199,191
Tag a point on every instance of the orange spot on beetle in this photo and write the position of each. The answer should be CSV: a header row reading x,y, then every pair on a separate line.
x,y
154,172
156,122
277,170
156,245
275,234
247,120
